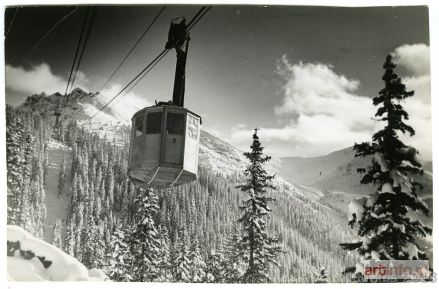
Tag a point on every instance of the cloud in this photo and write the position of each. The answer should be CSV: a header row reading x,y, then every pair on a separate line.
x,y
124,106
415,58
37,79
323,112
40,78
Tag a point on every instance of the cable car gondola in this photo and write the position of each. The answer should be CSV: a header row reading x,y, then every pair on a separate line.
x,y
165,137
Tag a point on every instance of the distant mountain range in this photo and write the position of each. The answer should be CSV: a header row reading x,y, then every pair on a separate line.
x,y
334,177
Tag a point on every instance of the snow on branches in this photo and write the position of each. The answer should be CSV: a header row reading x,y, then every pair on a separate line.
x,y
385,227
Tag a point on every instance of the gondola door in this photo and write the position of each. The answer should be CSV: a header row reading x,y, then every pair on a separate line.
x,y
174,138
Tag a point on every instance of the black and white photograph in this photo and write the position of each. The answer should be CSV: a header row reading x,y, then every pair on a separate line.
x,y
214,143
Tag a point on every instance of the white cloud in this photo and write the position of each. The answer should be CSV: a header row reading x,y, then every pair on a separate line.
x,y
324,112
415,59
40,78
37,79
124,106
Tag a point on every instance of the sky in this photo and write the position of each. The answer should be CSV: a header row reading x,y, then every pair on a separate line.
x,y
304,76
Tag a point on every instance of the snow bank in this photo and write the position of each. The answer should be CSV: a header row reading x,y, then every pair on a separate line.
x,y
25,270
36,260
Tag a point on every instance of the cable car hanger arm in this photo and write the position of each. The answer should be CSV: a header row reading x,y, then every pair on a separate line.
x,y
178,39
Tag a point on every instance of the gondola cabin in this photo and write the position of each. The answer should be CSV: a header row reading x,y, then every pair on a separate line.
x,y
164,146
165,137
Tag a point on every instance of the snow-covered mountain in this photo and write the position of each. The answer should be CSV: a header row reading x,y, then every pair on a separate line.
x,y
80,106
223,158
335,178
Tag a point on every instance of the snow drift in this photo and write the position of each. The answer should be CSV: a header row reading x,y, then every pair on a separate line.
x,y
31,259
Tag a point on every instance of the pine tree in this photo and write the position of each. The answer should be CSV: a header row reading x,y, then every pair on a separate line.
x,y
120,259
164,264
70,240
61,178
110,186
38,198
233,264
384,225
95,248
180,261
25,210
79,224
144,237
45,167
197,264
257,247
215,267
57,234
92,242
19,150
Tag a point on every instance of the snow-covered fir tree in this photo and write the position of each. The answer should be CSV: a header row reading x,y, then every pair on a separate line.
x,y
164,262
197,264
19,153
180,258
144,239
38,197
120,258
57,234
69,240
62,178
233,268
385,225
257,247
215,267
79,226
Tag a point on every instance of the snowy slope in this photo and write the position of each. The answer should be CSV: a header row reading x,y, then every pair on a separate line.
x,y
223,158
31,259
219,156
57,205
335,175
336,171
